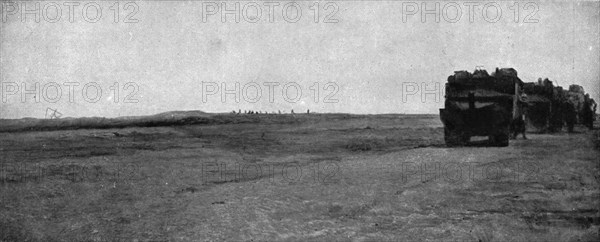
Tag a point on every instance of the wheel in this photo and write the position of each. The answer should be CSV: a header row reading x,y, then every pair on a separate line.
x,y
465,138
501,140
453,138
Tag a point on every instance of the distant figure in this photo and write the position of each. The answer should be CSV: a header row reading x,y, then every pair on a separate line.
x,y
518,126
292,111
307,111
556,116
570,115
240,111
588,113
279,111
594,107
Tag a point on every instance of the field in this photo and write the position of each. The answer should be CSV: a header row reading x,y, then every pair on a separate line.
x,y
319,177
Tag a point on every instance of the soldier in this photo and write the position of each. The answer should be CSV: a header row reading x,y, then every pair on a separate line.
x,y
594,106
587,115
570,115
518,125
556,116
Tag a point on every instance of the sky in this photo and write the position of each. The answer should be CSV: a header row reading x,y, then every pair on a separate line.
x,y
365,57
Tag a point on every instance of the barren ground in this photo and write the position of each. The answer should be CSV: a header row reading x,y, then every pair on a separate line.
x,y
310,177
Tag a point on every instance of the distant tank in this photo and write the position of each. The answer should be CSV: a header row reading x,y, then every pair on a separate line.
x,y
479,104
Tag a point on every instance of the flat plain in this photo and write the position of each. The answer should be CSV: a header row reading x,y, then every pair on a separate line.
x,y
317,177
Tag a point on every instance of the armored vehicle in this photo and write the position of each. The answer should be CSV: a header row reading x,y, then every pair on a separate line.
x,y
480,104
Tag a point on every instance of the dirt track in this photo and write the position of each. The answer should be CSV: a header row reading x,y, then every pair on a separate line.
x,y
329,178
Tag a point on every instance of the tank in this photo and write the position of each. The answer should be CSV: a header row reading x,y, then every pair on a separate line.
x,y
480,104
